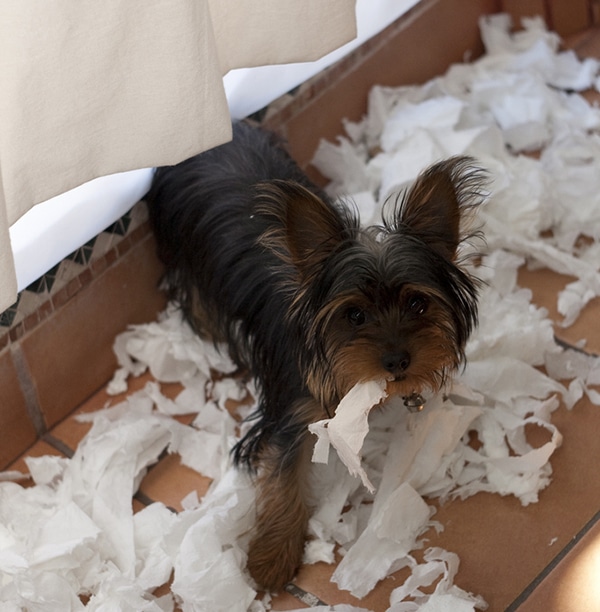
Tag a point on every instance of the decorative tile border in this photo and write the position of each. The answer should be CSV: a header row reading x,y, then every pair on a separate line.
x,y
42,297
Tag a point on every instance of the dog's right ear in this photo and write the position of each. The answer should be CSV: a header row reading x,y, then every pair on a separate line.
x,y
308,229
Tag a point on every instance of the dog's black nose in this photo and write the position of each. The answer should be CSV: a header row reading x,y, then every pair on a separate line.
x,y
396,363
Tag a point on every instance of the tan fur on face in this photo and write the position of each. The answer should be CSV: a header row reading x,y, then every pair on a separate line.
x,y
350,361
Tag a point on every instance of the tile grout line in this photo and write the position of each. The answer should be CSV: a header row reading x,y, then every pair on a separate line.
x,y
530,588
567,345
28,389
146,500
304,596
59,445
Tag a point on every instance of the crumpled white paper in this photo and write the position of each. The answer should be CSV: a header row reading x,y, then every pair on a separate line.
x,y
74,532
169,350
491,109
346,431
446,596
71,540
518,97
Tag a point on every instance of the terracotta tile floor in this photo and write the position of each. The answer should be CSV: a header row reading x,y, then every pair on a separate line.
x,y
545,556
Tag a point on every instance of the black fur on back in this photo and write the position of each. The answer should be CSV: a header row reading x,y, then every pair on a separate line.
x,y
215,258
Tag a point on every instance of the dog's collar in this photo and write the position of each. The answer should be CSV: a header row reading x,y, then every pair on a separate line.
x,y
414,402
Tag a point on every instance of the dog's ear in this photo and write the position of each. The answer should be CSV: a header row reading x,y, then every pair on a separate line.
x,y
435,207
308,228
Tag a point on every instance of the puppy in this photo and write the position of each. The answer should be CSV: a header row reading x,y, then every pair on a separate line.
x,y
311,303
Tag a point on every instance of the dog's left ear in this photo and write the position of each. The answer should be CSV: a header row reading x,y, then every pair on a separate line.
x,y
437,203
308,229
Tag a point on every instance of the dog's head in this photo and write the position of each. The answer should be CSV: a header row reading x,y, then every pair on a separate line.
x,y
389,302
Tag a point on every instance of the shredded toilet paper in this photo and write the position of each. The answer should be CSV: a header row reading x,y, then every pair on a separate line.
x,y
71,540
346,431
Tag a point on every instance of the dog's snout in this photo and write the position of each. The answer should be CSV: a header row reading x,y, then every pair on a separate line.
x,y
396,363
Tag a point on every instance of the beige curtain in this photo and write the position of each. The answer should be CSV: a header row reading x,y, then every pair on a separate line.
x,y
91,88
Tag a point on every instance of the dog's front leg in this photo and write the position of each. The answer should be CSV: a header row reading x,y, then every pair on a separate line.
x,y
283,507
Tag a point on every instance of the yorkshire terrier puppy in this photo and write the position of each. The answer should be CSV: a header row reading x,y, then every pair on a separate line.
x,y
311,303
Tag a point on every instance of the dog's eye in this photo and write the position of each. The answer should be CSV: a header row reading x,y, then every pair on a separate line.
x,y
417,304
356,316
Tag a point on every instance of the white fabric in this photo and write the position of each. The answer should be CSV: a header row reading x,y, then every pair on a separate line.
x,y
90,89
250,89
49,231
79,214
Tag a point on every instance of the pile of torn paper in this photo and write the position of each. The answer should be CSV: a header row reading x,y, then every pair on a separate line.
x,y
71,541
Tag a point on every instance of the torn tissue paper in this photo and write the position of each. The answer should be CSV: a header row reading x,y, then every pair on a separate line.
x,y
492,110
346,431
71,540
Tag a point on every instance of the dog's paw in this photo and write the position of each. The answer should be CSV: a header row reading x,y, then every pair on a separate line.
x,y
274,562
